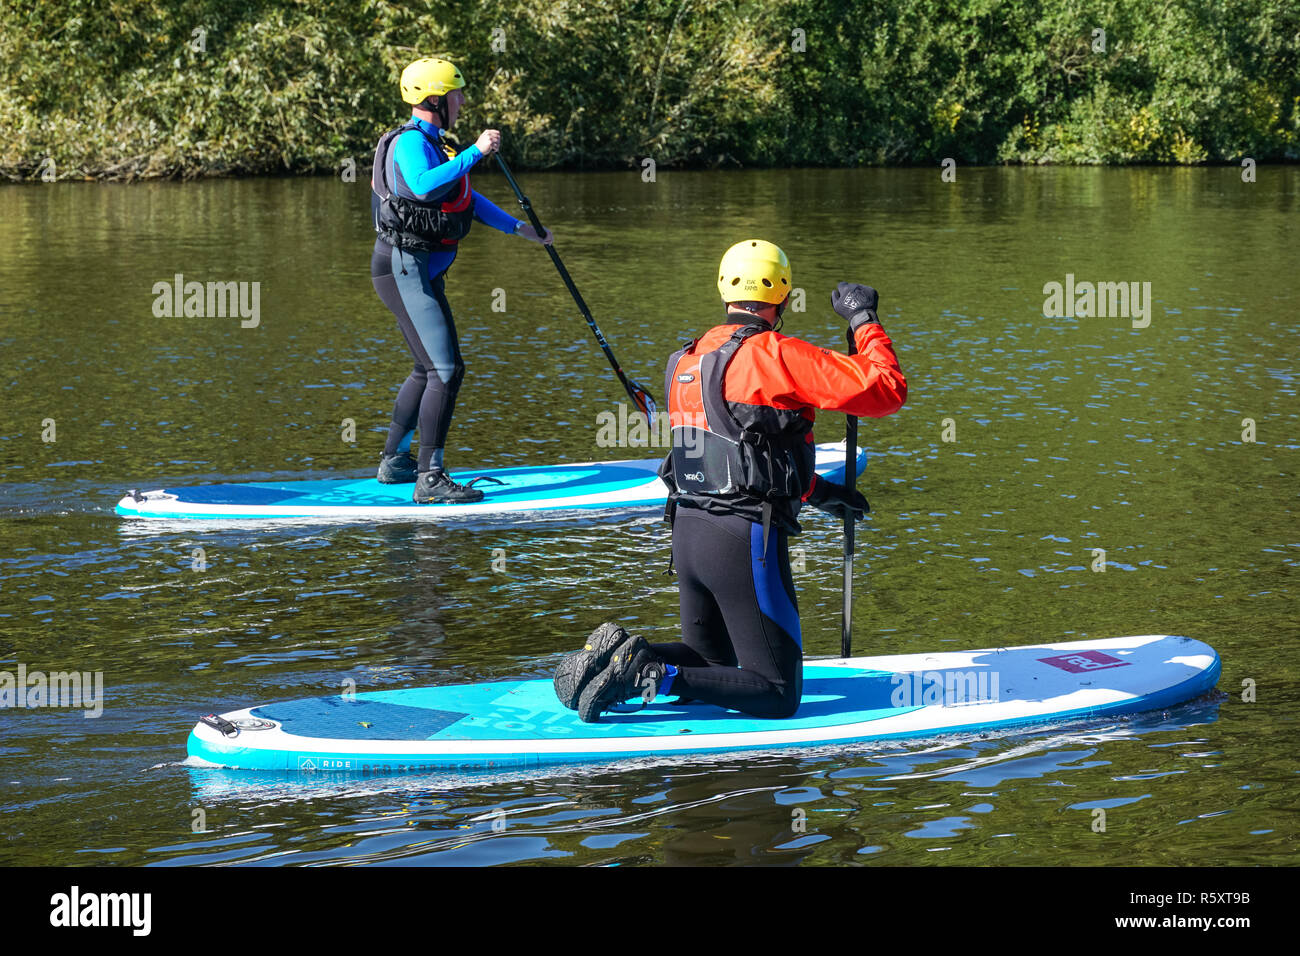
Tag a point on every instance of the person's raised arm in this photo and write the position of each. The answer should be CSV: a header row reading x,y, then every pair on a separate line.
x,y
869,383
414,157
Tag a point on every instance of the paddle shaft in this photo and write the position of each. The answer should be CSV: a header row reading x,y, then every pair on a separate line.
x,y
850,481
573,289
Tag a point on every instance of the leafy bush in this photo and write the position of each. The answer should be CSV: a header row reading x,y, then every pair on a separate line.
x,y
179,88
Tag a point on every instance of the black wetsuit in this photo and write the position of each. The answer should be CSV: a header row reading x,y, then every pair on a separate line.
x,y
741,644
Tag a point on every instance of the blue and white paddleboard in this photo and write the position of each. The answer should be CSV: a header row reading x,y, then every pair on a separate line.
x,y
592,485
521,724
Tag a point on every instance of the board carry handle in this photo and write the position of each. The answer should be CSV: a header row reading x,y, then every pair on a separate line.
x,y
220,725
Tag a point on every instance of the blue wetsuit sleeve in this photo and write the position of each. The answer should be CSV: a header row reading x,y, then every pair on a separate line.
x,y
488,213
414,157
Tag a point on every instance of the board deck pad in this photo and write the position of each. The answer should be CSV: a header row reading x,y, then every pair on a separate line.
x,y
521,724
590,485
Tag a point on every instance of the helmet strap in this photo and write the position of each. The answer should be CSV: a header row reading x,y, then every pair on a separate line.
x,y
437,105
780,314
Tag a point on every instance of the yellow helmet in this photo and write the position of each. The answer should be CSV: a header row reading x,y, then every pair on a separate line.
x,y
430,76
754,271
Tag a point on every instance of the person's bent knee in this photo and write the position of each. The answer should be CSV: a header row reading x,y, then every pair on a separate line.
x,y
782,704
786,706
454,375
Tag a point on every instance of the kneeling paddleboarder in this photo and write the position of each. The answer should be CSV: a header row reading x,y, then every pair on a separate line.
x,y
423,206
741,403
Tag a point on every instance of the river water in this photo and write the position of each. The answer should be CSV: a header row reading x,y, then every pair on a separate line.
x,y
1171,445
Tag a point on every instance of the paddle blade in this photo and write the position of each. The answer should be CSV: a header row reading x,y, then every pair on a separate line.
x,y
644,402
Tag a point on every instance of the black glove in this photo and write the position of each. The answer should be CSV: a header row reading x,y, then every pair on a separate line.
x,y
834,499
856,304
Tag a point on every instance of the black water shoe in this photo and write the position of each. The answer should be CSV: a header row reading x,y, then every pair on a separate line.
x,y
397,469
578,668
436,486
634,671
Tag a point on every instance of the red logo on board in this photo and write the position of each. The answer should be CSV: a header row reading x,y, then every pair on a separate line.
x,y
1081,662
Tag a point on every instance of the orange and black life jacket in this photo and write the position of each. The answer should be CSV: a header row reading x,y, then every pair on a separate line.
x,y
729,456
427,225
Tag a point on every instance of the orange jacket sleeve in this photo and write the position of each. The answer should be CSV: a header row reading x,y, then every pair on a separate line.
x,y
791,373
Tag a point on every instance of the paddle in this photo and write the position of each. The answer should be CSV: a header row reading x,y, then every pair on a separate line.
x,y
641,398
850,481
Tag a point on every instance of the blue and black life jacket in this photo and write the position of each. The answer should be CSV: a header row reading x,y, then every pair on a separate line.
x,y
423,225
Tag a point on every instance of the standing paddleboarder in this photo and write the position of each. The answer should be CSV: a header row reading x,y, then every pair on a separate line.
x,y
423,206
741,403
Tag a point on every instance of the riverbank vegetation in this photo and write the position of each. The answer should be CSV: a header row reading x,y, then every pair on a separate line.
x,y
123,89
